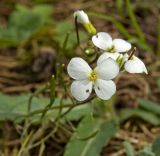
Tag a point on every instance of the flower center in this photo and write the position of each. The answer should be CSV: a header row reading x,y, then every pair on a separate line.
x,y
92,76
111,49
119,60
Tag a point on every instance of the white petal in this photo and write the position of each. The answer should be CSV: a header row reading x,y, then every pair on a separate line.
x,y
135,65
81,89
102,40
107,55
125,57
107,69
121,45
82,17
78,68
104,89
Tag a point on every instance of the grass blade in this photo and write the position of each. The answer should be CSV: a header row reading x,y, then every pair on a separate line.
x,y
134,22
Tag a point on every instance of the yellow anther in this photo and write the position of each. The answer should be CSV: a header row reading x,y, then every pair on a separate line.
x,y
92,76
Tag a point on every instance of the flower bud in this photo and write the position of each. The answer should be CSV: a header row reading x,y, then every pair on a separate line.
x,y
82,18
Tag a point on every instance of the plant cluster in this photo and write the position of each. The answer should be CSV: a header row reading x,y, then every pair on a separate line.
x,y
117,56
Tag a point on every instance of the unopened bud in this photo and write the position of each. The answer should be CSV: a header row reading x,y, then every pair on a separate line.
x,y
82,18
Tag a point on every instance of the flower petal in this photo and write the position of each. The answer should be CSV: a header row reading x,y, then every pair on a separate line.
x,y
102,40
107,55
107,69
135,65
104,89
121,45
82,17
78,68
81,89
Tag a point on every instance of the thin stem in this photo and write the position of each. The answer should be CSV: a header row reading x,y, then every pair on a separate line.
x,y
44,139
58,107
132,53
130,57
158,37
77,32
27,123
40,90
45,109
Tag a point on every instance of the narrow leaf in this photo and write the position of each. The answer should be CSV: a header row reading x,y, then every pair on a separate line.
x,y
149,117
14,108
97,131
150,106
156,146
146,151
129,148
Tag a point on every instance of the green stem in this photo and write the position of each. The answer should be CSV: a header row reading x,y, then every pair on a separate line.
x,y
158,37
77,32
110,109
40,90
58,107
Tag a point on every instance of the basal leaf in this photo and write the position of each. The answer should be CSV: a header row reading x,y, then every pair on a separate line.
x,y
149,117
44,11
129,148
23,23
156,146
91,136
146,151
150,106
14,108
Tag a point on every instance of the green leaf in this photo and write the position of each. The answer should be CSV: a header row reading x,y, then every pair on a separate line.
x,y
23,23
149,117
21,8
150,106
91,136
147,151
120,6
129,148
156,147
44,11
14,108
78,112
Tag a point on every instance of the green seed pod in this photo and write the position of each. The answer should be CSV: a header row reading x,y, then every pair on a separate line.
x,y
90,51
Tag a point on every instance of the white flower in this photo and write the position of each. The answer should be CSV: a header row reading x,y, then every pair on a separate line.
x,y
134,65
107,55
104,41
82,17
86,79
